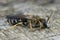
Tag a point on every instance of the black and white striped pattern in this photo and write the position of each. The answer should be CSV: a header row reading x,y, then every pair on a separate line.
x,y
15,19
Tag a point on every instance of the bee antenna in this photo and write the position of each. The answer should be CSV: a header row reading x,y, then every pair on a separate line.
x,y
49,17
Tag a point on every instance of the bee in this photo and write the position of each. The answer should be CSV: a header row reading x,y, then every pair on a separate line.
x,y
27,20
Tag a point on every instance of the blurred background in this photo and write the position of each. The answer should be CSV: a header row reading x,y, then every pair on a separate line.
x,y
8,6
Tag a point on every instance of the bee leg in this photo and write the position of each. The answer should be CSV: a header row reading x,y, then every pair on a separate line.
x,y
14,26
30,25
40,25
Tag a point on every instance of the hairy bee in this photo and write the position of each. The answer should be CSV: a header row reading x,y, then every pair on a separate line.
x,y
33,22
